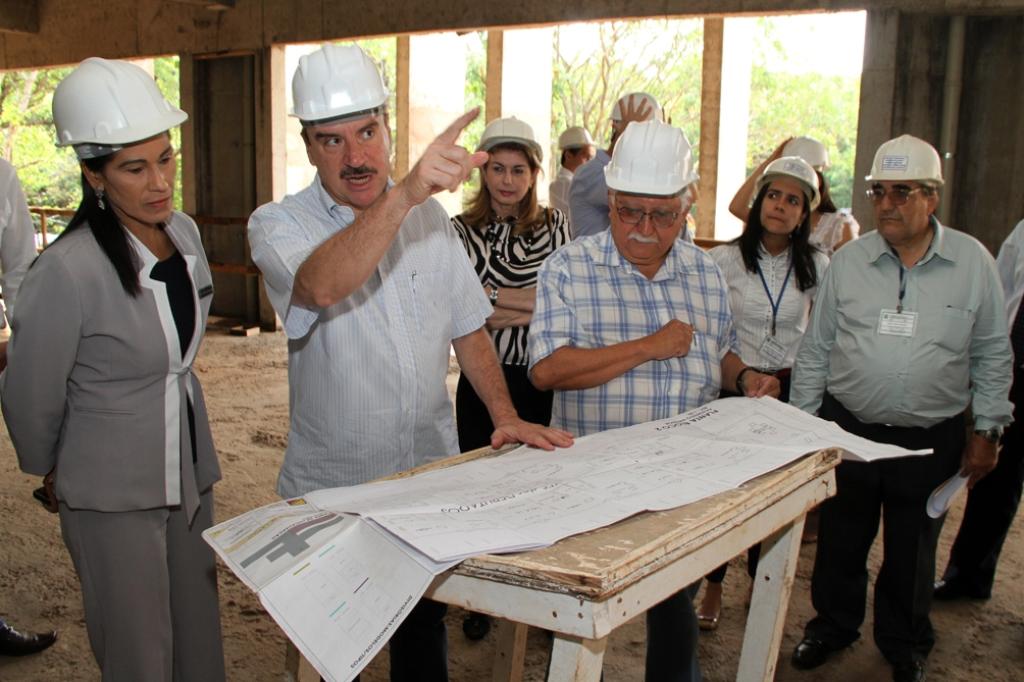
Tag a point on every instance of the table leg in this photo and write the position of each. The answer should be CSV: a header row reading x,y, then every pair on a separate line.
x,y
511,650
767,617
576,660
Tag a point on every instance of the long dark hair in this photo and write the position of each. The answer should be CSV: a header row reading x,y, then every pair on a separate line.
x,y
801,250
826,205
106,229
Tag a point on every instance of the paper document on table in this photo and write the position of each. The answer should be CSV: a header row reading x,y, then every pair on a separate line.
x,y
529,498
338,585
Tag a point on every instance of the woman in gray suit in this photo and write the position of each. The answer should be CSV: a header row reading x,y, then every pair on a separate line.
x,y
99,394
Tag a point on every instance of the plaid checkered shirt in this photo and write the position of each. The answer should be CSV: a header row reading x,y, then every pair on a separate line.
x,y
590,296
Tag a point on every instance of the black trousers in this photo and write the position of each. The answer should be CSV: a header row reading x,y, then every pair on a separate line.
x,y
472,420
991,506
895,491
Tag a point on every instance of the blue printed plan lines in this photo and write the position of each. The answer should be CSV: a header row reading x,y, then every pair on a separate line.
x,y
339,569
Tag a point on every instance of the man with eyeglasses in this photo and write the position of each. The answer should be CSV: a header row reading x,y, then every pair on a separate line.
x,y
907,331
633,324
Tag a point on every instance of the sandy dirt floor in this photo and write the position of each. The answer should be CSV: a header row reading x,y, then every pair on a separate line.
x,y
245,380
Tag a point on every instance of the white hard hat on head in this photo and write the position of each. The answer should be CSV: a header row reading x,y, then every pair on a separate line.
x,y
907,158
808,149
797,169
509,130
106,104
575,137
638,97
651,158
336,81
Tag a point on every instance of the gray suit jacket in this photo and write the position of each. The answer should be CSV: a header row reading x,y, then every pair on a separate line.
x,y
95,383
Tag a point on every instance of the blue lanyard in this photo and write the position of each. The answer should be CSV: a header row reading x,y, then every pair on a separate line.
x,y
903,289
775,303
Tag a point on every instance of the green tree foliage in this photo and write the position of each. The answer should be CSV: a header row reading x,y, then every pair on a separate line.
x,y
785,104
659,56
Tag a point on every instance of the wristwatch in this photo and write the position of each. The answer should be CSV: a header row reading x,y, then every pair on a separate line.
x,y
494,296
992,435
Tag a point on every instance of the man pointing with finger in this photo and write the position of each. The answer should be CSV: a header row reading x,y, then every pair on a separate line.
x,y
373,286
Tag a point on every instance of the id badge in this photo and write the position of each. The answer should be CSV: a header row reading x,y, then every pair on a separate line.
x,y
895,323
773,352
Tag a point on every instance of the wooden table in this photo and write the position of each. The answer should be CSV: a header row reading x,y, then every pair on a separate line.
x,y
585,586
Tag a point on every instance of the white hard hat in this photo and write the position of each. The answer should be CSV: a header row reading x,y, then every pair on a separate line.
x,y
502,130
106,103
574,137
638,97
907,158
798,169
808,149
336,81
651,158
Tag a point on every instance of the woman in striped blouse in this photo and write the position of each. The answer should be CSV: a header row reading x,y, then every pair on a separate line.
x,y
507,236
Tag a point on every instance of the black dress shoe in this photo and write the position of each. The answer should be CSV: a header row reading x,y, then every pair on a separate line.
x,y
951,590
14,643
912,671
811,653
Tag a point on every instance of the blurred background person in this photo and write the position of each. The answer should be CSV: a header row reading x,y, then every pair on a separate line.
x,y
577,148
830,227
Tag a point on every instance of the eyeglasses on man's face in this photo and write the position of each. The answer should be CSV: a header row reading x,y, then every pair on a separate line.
x,y
898,194
635,216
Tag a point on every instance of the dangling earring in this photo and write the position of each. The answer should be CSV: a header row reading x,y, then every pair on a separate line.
x,y
99,199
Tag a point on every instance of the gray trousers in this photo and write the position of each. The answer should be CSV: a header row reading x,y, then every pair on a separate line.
x,y
149,586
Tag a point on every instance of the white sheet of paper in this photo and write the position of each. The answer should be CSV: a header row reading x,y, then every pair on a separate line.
x,y
942,497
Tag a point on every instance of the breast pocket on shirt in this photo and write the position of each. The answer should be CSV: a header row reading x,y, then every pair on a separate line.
x,y
955,326
432,303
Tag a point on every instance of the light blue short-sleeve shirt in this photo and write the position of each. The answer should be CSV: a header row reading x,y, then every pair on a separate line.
x,y
366,375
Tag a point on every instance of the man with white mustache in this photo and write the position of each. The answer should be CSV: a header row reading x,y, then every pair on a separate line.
x,y
908,330
633,324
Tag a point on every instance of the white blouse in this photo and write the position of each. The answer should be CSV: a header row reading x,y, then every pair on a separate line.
x,y
829,231
751,309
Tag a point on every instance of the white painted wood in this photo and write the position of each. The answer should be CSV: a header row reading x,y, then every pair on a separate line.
x,y
510,651
576,660
769,602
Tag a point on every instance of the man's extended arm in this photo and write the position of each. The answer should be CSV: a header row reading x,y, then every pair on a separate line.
x,y
476,356
344,262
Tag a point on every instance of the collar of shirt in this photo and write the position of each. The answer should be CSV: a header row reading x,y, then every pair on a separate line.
x,y
878,247
344,214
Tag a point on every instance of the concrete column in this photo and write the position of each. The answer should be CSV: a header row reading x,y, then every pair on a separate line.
x,y
734,119
710,106
431,83
877,103
519,84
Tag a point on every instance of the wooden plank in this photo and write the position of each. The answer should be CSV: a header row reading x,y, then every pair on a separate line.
x,y
19,15
597,564
510,651
769,603
576,660
244,330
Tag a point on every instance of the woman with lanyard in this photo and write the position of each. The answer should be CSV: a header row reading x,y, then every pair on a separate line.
x,y
830,227
507,236
99,394
772,272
